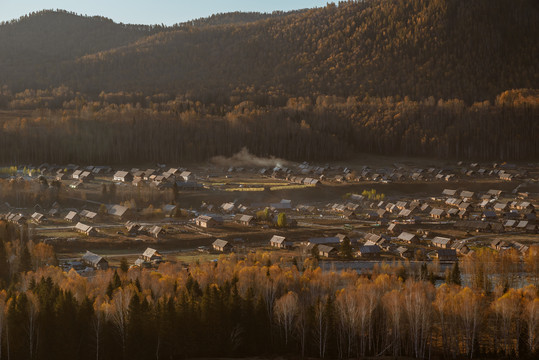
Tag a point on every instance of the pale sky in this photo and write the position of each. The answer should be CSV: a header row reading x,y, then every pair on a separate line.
x,y
166,12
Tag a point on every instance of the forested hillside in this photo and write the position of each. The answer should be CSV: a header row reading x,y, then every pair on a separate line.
x,y
442,78
419,48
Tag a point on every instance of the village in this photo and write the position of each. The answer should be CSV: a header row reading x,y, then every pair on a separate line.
x,y
357,216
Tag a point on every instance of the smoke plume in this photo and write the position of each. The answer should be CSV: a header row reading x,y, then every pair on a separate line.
x,y
245,159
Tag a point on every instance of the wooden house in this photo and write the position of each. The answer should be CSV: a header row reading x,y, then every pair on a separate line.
x,y
39,218
369,251
394,228
327,251
280,242
441,242
152,255
206,221
119,211
85,229
123,176
408,238
446,255
246,220
157,231
90,215
437,213
72,216
404,252
95,261
222,245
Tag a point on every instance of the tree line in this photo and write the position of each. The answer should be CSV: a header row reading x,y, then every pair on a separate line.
x,y
62,126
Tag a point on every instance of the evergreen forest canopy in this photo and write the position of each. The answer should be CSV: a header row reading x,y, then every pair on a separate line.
x,y
443,78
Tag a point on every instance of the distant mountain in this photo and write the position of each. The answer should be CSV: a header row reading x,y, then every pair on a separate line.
x,y
472,50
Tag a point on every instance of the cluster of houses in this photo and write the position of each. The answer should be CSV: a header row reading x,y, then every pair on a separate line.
x,y
134,229
372,246
91,261
492,211
403,173
181,178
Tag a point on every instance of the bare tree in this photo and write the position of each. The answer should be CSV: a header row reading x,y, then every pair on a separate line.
x,y
286,309
348,316
393,306
508,310
3,309
418,297
117,312
531,318
468,308
32,325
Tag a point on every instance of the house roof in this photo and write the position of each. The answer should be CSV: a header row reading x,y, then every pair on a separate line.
x,y
149,252
393,226
406,236
372,237
325,248
92,258
402,250
369,249
117,210
243,218
121,174
71,215
37,216
447,253
276,239
220,243
88,214
204,218
441,240
156,230
83,227
437,212
325,240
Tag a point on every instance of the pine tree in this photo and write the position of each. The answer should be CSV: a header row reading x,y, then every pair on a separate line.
x,y
4,265
25,263
315,252
455,274
346,249
116,281
124,266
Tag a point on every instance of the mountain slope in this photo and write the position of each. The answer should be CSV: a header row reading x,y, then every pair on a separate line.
x,y
417,48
